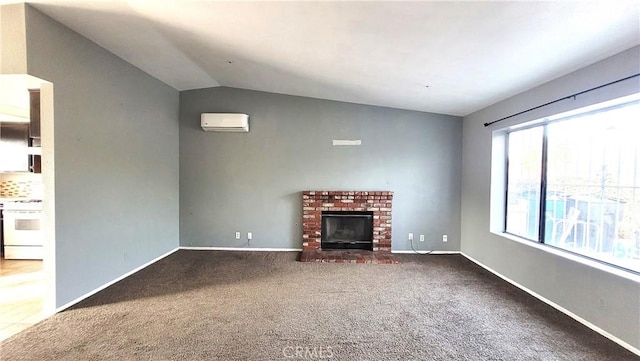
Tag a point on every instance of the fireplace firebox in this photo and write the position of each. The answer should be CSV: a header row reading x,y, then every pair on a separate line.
x,y
347,230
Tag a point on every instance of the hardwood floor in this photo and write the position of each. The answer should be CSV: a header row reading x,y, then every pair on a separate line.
x,y
21,295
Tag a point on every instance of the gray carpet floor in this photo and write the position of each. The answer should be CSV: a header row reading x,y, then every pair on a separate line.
x,y
208,305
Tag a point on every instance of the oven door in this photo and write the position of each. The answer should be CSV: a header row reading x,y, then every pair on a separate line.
x,y
22,228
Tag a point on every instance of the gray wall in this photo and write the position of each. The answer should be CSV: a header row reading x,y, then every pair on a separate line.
x,y
609,301
116,158
252,182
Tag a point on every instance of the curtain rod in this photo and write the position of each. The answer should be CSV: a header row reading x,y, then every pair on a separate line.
x,y
561,99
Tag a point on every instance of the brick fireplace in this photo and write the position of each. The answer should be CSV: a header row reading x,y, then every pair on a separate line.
x,y
377,203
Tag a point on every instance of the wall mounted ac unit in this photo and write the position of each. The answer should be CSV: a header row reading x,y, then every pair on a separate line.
x,y
224,122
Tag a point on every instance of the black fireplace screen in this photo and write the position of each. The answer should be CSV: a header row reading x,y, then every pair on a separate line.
x,y
347,230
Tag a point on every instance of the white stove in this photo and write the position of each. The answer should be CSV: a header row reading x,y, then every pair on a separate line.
x,y
22,225
27,204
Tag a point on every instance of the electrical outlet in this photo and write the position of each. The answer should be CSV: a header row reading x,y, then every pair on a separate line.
x,y
411,236
249,236
422,238
237,235
444,238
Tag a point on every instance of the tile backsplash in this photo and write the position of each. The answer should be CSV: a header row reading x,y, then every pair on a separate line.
x,y
21,185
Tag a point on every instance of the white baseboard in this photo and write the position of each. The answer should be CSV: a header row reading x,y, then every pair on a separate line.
x,y
423,252
559,308
288,250
242,249
86,295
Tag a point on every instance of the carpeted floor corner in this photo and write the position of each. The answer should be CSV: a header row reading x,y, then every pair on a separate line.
x,y
214,305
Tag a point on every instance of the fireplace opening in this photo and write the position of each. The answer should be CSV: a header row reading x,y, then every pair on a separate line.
x,y
347,230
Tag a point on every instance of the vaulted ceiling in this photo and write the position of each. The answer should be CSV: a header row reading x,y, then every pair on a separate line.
x,y
444,57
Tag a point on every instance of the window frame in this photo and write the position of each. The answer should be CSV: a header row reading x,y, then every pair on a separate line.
x,y
544,123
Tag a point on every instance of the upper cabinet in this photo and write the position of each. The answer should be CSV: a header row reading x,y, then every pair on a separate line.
x,y
35,159
20,136
34,113
14,146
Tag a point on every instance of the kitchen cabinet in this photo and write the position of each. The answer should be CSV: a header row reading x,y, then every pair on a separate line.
x,y
35,160
20,142
16,155
34,113
14,146
35,163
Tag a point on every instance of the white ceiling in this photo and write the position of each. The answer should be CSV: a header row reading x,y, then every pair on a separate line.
x,y
443,57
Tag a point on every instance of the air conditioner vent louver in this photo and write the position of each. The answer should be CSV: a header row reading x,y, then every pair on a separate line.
x,y
224,122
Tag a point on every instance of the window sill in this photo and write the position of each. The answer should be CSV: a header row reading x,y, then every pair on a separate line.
x,y
629,275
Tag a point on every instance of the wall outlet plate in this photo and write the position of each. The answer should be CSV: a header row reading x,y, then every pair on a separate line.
x,y
411,236
237,235
422,238
444,238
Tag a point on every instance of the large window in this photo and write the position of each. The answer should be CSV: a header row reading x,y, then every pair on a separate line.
x,y
574,183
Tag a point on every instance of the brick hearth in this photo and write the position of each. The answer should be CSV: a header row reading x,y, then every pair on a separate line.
x,y
315,202
349,256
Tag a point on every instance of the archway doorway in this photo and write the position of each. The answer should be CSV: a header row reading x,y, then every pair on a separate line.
x,y
27,265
